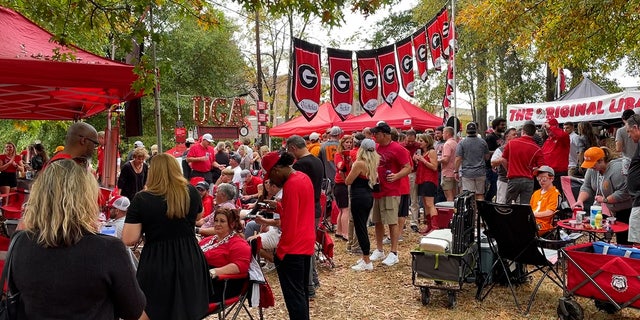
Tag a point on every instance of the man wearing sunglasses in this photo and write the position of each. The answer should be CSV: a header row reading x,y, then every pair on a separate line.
x,y
79,144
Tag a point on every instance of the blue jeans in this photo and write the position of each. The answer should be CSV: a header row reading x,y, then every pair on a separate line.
x,y
293,272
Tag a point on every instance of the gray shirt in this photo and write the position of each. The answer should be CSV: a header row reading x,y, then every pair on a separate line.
x,y
612,182
574,149
473,151
628,146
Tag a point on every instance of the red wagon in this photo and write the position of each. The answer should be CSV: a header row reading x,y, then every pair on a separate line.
x,y
613,282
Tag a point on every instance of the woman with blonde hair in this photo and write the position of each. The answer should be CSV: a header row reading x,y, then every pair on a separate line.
x,y
10,164
133,174
60,259
362,178
172,271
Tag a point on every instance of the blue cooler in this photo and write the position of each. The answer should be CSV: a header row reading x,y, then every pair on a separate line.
x,y
108,230
487,257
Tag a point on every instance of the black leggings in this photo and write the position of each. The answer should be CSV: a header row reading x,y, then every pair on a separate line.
x,y
361,204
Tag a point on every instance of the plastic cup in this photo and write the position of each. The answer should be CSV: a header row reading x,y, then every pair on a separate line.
x,y
611,220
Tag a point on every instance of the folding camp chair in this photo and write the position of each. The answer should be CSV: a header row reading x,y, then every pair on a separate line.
x,y
513,227
253,288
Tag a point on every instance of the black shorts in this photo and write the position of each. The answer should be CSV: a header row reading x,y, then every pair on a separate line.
x,y
427,189
403,209
8,179
341,193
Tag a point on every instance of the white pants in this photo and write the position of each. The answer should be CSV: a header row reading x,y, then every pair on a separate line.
x,y
634,225
501,192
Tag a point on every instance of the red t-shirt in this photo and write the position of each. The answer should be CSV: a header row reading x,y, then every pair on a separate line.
x,y
556,150
341,161
4,160
297,218
236,250
251,186
412,147
197,150
207,205
522,154
393,157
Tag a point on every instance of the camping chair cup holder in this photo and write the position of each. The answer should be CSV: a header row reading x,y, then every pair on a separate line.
x,y
514,241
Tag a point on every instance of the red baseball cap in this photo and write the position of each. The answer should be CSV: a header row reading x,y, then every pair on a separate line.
x,y
268,161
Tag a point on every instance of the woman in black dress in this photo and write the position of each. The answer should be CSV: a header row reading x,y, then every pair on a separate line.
x,y
173,272
133,175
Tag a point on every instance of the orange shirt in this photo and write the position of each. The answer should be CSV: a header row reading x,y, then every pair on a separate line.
x,y
542,202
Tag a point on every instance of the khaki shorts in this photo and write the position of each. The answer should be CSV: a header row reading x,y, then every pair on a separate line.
x,y
385,210
449,183
474,184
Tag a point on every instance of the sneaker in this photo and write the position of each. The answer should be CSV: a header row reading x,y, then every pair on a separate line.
x,y
376,255
387,240
362,266
391,259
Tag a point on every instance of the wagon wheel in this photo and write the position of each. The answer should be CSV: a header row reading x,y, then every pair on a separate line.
x,y
425,295
452,299
605,306
569,309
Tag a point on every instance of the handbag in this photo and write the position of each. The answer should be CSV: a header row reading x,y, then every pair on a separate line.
x,y
10,300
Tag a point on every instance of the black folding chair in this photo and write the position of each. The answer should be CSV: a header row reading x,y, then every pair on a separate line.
x,y
514,229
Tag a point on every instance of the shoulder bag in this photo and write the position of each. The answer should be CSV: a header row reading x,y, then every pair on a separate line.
x,y
10,299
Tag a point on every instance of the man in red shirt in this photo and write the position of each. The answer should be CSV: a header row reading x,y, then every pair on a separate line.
x,y
521,156
394,167
297,241
250,187
201,157
556,150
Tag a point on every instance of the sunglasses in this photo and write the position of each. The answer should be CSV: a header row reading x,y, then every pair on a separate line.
x,y
94,141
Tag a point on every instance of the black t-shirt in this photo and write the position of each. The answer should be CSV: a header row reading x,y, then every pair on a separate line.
x,y
494,141
313,168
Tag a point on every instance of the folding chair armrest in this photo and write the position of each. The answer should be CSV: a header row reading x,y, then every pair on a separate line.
x,y
223,277
554,244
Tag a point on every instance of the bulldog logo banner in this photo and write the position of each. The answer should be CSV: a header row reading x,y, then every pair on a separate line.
x,y
435,42
306,77
405,64
445,32
387,69
420,48
341,75
368,75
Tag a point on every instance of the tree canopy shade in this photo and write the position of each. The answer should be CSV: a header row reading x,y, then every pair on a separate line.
x,y
42,80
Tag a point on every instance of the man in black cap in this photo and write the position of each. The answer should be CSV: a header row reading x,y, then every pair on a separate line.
x,y
471,154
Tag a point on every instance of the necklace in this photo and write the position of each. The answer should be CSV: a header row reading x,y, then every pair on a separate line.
x,y
214,243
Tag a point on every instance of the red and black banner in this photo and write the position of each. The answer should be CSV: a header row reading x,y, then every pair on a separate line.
x,y
306,77
405,64
445,31
435,42
448,90
420,48
368,75
341,75
388,74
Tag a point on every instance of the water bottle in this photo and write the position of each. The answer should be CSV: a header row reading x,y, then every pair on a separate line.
x,y
595,209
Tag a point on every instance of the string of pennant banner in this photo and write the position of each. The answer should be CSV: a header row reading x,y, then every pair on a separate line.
x,y
378,70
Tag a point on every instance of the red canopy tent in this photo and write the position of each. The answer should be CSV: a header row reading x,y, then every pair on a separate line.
x,y
34,86
403,115
324,119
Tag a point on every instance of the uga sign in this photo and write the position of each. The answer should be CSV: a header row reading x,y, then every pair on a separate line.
x,y
604,107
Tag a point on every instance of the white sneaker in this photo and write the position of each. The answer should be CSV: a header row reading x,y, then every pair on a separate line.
x,y
376,255
391,259
362,266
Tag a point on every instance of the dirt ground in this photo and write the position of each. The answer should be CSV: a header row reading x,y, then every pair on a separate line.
x,y
388,293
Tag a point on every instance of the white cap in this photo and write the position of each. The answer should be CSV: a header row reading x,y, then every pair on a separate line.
x,y
190,140
138,144
208,137
120,203
335,131
314,136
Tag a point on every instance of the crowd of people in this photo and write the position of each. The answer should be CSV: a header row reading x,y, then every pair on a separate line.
x,y
193,216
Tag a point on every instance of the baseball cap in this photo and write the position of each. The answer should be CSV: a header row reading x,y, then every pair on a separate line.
x,y
138,144
190,140
335,131
314,136
542,169
208,137
236,156
381,127
268,161
119,202
202,185
472,128
591,156
368,144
